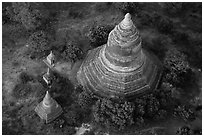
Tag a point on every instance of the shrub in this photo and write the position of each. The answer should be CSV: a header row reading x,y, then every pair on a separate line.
x,y
152,106
98,35
38,43
24,13
85,100
185,113
176,66
118,115
147,106
128,7
72,52
22,90
24,77
185,130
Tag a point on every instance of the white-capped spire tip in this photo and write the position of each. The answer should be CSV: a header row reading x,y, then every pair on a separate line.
x,y
47,95
128,16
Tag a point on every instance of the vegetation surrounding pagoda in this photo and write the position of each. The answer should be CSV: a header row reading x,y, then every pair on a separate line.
x,y
110,55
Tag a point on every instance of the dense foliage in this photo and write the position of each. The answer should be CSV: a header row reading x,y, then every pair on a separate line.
x,y
176,66
98,35
118,115
85,100
38,42
72,52
25,77
25,13
128,7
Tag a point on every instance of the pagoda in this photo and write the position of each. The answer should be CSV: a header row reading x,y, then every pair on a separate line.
x,y
50,60
47,77
48,109
120,69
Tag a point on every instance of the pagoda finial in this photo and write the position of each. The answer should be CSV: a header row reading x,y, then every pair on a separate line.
x,y
47,101
51,53
48,71
127,21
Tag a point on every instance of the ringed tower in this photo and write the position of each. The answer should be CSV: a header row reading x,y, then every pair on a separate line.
x,y
120,68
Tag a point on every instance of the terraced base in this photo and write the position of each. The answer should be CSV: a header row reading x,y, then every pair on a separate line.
x,y
100,79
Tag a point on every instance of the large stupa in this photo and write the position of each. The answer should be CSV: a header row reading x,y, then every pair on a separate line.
x,y
121,68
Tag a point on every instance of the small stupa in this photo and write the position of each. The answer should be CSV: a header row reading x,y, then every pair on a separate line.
x,y
50,60
120,69
48,76
48,109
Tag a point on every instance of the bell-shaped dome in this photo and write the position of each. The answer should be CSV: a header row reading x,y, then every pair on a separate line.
x,y
120,68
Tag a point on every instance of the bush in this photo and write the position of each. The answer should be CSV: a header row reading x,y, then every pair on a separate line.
x,y
185,130
128,7
117,115
98,35
38,43
184,112
24,13
24,77
85,100
154,106
22,90
72,52
176,66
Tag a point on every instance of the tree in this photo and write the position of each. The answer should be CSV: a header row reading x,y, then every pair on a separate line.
x,y
112,114
22,90
72,52
98,35
128,7
38,42
176,66
185,130
185,113
27,14
24,77
85,100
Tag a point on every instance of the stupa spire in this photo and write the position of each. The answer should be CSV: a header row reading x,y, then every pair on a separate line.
x,y
48,101
48,71
127,21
